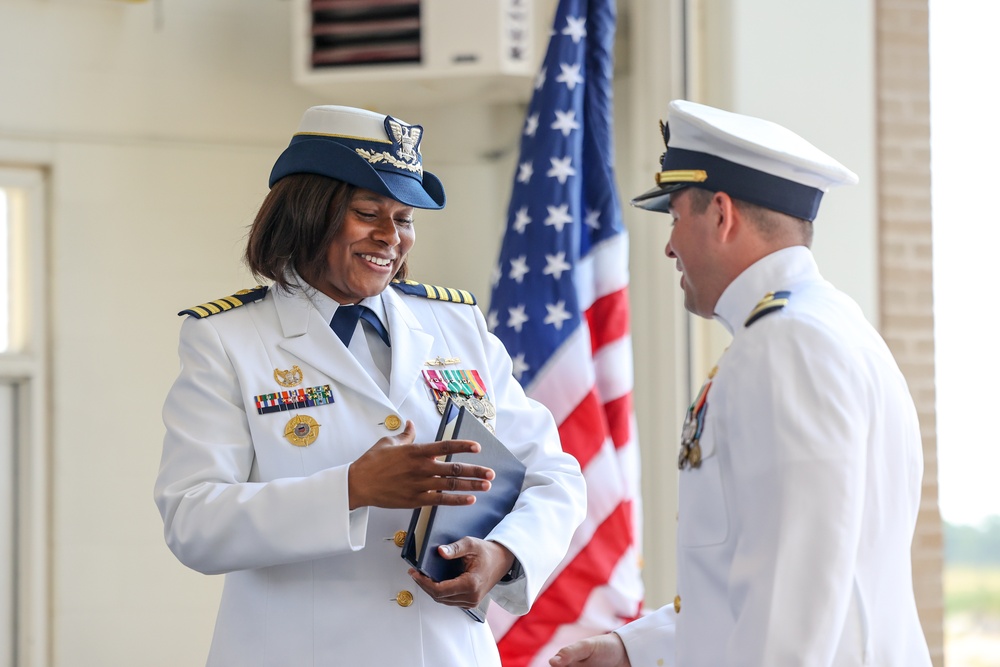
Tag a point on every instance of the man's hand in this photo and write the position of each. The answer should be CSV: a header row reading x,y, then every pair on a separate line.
x,y
600,651
398,474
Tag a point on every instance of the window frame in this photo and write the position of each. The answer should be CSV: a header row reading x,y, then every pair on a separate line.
x,y
25,367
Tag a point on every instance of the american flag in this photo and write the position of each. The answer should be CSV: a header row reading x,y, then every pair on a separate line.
x,y
560,305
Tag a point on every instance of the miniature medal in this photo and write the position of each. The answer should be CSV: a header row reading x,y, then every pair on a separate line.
x,y
694,455
465,387
694,424
687,437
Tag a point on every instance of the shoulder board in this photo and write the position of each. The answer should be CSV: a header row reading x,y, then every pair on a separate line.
x,y
226,302
772,302
434,292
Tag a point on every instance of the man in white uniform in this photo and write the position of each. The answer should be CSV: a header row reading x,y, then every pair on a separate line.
x,y
800,461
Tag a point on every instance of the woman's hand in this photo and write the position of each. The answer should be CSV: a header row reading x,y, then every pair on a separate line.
x,y
396,473
485,564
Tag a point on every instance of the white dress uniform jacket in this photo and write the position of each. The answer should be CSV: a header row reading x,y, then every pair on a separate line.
x,y
794,533
309,582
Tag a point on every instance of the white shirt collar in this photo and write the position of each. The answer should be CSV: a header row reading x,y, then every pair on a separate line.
x,y
777,271
327,306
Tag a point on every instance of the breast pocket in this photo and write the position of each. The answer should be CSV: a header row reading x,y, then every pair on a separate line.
x,y
702,519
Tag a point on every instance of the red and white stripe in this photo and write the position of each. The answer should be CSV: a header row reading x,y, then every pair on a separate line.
x,y
587,385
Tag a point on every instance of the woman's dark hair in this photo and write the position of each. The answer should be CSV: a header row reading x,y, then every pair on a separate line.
x,y
294,228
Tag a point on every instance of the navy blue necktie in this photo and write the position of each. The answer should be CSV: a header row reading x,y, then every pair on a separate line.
x,y
345,320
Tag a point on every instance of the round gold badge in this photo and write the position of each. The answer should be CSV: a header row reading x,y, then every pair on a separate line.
x,y
301,430
404,598
392,422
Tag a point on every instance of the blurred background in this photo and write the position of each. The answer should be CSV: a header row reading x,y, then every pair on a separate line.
x,y
964,133
135,143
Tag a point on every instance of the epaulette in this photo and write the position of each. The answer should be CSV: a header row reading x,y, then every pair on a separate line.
x,y
434,292
772,301
227,302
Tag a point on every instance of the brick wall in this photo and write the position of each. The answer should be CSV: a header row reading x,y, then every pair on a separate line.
x,y
905,264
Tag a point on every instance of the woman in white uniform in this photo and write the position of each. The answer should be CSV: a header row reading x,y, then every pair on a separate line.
x,y
300,430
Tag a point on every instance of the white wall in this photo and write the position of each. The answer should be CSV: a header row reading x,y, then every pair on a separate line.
x,y
157,143
158,134
811,67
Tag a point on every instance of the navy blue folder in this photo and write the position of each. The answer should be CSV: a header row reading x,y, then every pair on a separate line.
x,y
434,525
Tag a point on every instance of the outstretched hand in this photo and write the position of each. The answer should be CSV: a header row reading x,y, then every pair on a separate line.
x,y
396,473
600,651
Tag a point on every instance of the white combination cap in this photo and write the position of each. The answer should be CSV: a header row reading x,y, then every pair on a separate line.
x,y
748,158
366,149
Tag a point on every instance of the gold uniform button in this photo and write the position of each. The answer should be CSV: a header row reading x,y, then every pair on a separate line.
x,y
392,422
404,598
677,604
399,538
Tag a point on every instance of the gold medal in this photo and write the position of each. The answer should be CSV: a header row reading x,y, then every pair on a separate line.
x,y
301,430
694,455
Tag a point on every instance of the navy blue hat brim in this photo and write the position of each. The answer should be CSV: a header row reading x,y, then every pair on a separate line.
x,y
326,157
658,198
736,180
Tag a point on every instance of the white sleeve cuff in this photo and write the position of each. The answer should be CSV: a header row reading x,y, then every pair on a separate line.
x,y
649,640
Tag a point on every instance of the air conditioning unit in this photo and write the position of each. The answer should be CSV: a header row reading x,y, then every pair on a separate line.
x,y
417,52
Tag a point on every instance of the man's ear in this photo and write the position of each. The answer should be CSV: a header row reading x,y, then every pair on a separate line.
x,y
727,216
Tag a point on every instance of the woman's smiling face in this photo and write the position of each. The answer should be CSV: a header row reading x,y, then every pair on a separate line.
x,y
367,251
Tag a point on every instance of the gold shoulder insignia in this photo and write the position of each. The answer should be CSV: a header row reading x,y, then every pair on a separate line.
x,y
772,301
434,292
226,302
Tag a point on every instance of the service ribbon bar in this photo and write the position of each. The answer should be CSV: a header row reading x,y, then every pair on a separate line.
x,y
293,399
